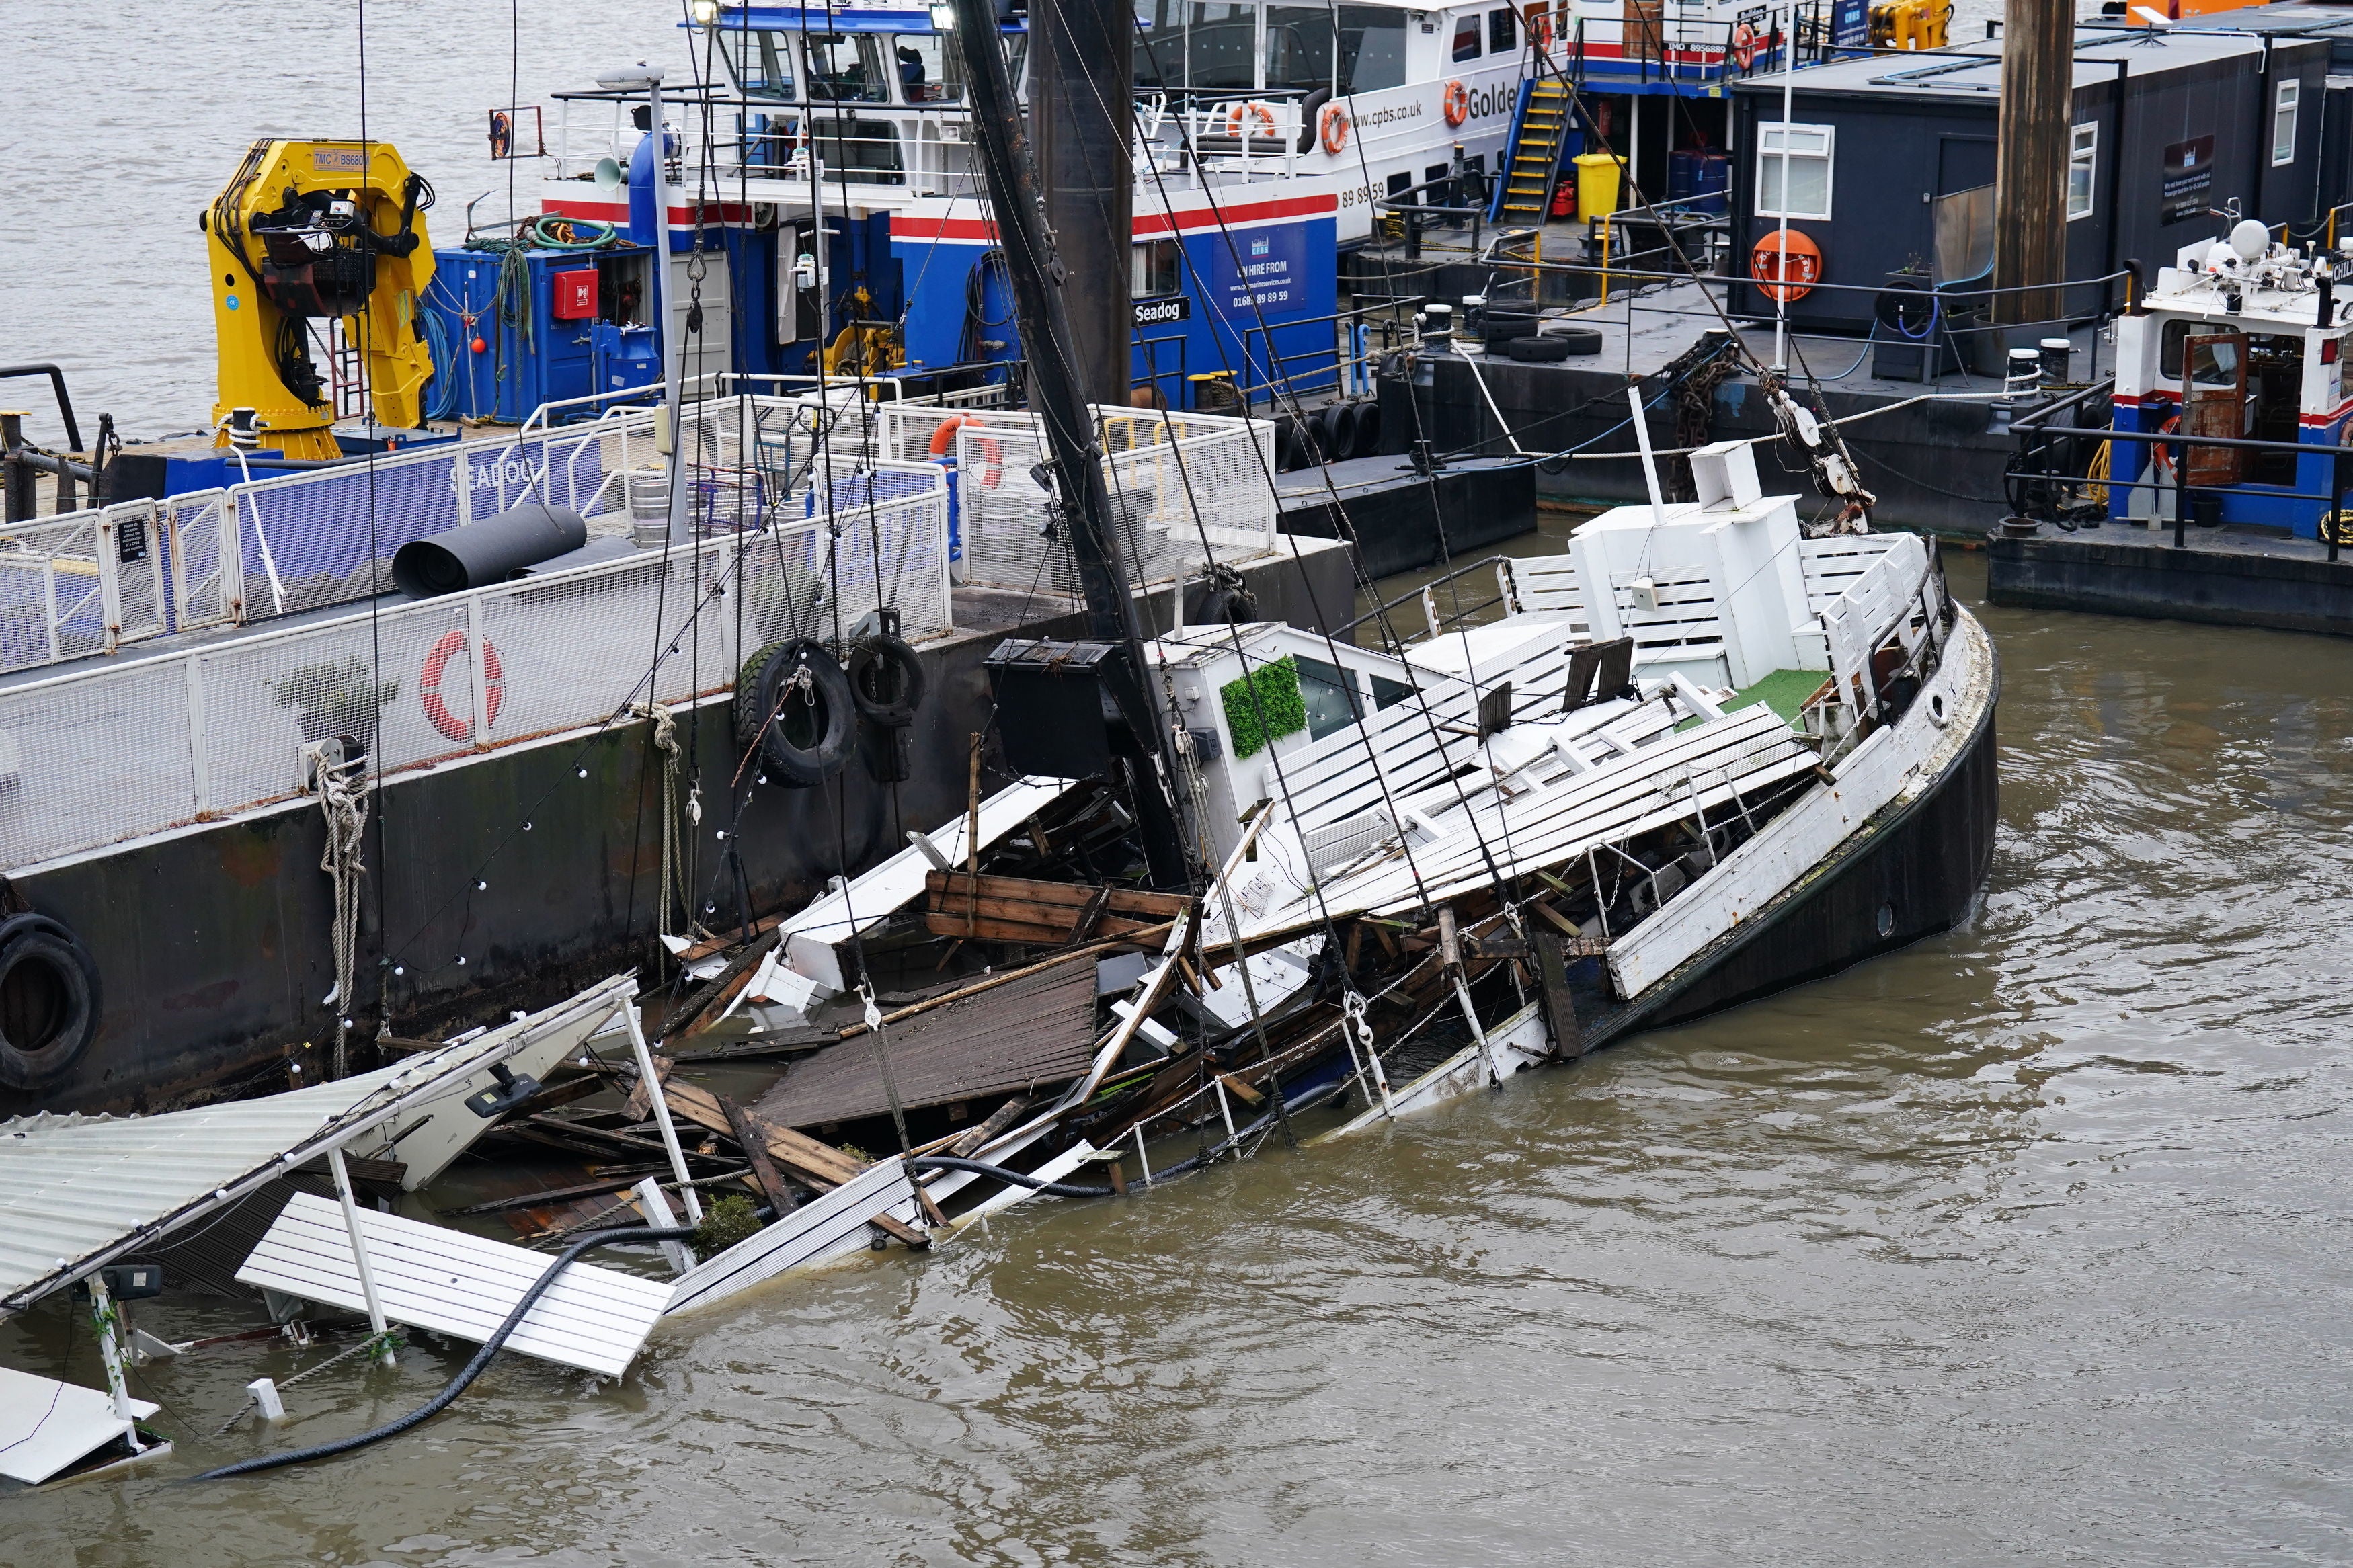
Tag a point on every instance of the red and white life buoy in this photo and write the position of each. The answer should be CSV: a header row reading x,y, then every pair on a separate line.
x,y
1335,129
1240,113
429,685
1743,44
1456,103
992,455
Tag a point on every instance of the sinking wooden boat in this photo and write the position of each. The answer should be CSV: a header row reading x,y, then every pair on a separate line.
x,y
1696,759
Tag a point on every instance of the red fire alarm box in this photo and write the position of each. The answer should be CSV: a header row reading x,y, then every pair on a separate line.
x,y
575,294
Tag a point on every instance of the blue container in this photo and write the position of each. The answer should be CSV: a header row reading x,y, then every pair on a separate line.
x,y
1711,180
1681,168
528,356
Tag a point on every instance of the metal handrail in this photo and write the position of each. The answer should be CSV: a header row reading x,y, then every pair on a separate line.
x,y
1505,562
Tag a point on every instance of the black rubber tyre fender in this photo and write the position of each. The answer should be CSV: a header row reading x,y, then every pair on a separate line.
x,y
38,939
1221,607
1368,430
1580,340
1336,429
1537,351
886,664
795,751
749,714
1501,329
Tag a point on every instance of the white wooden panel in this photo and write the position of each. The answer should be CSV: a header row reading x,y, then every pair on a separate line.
x,y
452,1283
1796,841
45,1425
1549,582
1832,565
832,1225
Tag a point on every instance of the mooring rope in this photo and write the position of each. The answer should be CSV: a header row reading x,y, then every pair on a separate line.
x,y
343,801
673,851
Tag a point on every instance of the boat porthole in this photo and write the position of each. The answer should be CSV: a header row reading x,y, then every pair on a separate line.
x,y
1887,919
1937,706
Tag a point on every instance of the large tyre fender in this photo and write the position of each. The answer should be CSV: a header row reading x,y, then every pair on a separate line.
x,y
69,984
886,680
799,747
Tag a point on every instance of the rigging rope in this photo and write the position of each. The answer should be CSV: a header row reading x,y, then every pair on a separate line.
x,y
344,805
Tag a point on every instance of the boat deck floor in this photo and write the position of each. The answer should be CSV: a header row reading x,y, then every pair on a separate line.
x,y
2225,539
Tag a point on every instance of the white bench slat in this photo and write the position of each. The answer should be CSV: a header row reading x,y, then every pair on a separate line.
x,y
452,1283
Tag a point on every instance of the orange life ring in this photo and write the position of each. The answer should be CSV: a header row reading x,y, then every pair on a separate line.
x,y
992,455
1789,275
1457,104
1240,113
429,685
1334,127
1743,44
2160,454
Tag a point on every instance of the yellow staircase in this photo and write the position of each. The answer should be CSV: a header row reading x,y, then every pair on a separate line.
x,y
1539,131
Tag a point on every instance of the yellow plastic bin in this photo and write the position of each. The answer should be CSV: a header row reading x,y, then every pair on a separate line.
x,y
1597,178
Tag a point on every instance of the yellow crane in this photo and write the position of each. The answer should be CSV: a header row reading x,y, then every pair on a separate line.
x,y
317,231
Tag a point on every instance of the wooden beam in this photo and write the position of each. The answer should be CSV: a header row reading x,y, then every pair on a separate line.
x,y
1134,939
750,1135
1560,1006
900,1229
2029,223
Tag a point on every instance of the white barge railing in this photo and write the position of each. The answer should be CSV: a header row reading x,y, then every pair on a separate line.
x,y
221,725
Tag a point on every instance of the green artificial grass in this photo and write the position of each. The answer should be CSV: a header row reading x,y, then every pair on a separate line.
x,y
1783,692
1276,690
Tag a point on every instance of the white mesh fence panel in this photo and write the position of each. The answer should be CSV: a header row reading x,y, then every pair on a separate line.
x,y
205,578
71,787
51,602
136,546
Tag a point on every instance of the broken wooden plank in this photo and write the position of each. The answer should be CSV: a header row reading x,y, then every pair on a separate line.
x,y
639,1105
750,1136
821,1165
988,982
1559,1005
900,1229
1003,1116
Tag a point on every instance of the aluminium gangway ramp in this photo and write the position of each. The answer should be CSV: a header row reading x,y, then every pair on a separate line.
x,y
463,1285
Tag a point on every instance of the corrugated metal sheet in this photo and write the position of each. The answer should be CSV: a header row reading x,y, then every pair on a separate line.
x,y
73,1186
1037,1030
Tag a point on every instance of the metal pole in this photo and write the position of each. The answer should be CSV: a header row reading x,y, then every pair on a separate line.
x,y
1781,244
110,1352
2181,492
376,1325
20,503
654,1098
2336,500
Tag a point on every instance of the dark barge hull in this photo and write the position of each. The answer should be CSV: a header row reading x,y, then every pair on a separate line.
x,y
2279,591
1921,864
213,941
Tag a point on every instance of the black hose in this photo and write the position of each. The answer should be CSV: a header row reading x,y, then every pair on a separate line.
x,y
1018,1178
474,1370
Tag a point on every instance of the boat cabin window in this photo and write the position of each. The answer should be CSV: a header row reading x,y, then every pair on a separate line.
x,y
1387,693
1159,44
1503,31
2215,364
848,67
1372,48
1221,48
2283,121
1331,695
1466,38
929,71
1808,160
1157,267
1298,49
2083,160
761,61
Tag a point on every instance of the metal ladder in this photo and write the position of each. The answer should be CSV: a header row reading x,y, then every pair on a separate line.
x,y
1539,129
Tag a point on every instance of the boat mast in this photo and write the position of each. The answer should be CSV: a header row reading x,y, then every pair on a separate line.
x,y
1063,366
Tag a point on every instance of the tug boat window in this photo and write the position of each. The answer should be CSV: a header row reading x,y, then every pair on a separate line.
x,y
1466,38
761,61
1503,31
1221,48
1298,49
847,66
1159,44
1372,48
929,71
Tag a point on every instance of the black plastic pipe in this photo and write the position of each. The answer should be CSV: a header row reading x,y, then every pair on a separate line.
x,y
491,550
474,1368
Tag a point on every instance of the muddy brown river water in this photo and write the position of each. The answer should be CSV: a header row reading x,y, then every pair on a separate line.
x,y
2026,1244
